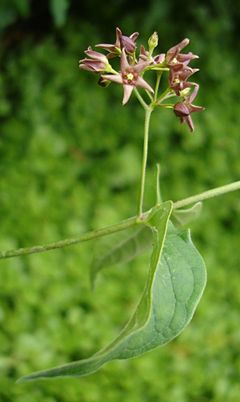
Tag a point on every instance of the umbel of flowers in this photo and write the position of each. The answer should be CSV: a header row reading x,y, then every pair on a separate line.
x,y
133,67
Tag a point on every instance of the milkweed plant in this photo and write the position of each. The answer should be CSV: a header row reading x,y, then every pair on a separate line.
x,y
176,274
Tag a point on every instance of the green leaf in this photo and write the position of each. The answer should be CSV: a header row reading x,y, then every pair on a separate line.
x,y
123,247
175,283
182,217
120,248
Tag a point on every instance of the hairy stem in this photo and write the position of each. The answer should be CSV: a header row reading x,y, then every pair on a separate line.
x,y
119,226
144,160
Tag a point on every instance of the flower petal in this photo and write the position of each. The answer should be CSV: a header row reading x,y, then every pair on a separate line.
x,y
95,55
194,92
141,65
143,84
124,61
134,36
175,50
118,37
106,46
127,91
128,44
189,122
181,110
194,108
113,77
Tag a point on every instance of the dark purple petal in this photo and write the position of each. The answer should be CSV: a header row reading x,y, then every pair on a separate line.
x,y
194,93
187,57
181,110
128,44
189,122
194,108
134,36
175,50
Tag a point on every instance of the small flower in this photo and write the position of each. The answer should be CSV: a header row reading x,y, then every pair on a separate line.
x,y
97,62
184,109
173,53
129,77
122,42
178,77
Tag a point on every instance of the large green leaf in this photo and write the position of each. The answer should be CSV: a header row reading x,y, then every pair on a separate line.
x,y
120,248
123,247
174,286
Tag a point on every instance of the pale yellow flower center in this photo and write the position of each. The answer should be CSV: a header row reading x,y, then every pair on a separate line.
x,y
130,76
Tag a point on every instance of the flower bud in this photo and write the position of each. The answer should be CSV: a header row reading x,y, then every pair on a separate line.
x,y
153,42
181,110
96,63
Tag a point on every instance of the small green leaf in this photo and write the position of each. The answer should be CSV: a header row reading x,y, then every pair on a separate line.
x,y
174,287
182,217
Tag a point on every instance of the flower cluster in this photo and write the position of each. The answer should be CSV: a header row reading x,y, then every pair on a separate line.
x,y
133,67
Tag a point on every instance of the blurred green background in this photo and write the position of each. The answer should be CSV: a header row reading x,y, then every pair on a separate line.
x,y
70,159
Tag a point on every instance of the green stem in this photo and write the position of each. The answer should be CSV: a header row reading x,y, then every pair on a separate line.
x,y
69,242
215,192
119,226
159,75
168,93
144,160
141,100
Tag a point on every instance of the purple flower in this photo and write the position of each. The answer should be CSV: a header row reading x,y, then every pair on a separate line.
x,y
184,109
122,42
173,53
178,64
129,77
97,62
178,77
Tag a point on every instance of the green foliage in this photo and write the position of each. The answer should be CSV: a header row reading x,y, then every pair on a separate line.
x,y
175,283
10,11
120,248
65,144
14,10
